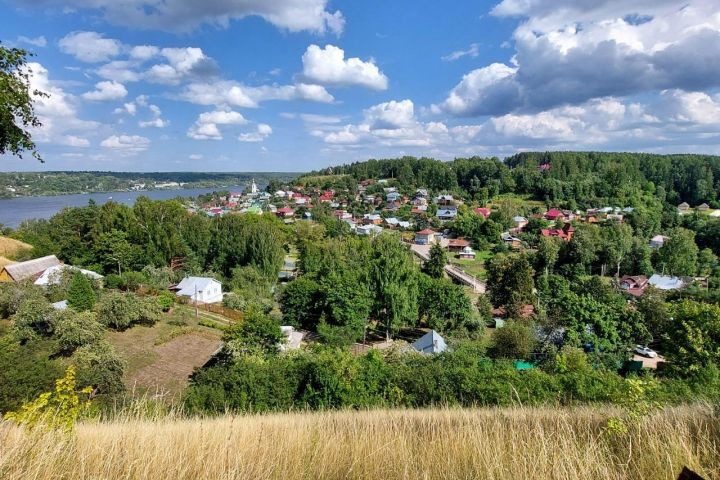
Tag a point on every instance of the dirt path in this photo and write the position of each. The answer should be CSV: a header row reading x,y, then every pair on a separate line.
x,y
174,363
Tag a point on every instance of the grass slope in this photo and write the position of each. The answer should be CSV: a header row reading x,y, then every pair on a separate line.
x,y
9,247
512,444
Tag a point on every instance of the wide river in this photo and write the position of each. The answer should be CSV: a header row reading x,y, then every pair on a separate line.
x,y
14,210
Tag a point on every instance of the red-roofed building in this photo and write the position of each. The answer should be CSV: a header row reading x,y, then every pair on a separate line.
x,y
285,212
327,196
566,233
457,244
634,285
485,212
554,214
425,237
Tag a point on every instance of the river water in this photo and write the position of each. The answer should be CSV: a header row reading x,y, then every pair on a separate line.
x,y
14,210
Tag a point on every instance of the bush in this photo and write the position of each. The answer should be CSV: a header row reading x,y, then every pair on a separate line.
x,y
73,330
25,371
81,295
12,295
120,310
258,333
114,281
131,281
233,301
100,368
117,310
166,300
515,340
32,318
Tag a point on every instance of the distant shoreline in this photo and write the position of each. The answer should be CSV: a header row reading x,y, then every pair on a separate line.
x,y
47,184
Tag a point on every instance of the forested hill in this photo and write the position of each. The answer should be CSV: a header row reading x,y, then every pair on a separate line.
x,y
559,177
14,184
684,177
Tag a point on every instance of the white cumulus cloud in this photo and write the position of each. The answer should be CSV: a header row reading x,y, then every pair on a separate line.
x,y
90,47
106,90
126,144
328,66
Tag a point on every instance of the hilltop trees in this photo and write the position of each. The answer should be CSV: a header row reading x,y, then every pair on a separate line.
x,y
693,338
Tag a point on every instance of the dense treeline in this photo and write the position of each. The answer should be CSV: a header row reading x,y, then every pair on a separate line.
x,y
334,378
675,178
115,238
59,183
575,179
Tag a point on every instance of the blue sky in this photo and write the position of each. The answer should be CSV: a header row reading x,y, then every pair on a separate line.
x,y
293,85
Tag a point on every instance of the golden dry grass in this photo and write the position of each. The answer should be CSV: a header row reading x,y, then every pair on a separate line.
x,y
5,261
9,247
513,444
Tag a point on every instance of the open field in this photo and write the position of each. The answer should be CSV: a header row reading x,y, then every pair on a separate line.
x,y
513,444
476,266
162,356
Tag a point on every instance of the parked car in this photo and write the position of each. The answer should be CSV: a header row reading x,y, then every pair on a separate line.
x,y
645,351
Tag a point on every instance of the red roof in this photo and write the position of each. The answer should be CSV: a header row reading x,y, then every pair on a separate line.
x,y
485,212
285,210
458,242
427,231
553,213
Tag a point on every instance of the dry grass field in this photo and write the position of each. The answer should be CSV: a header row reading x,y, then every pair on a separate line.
x,y
9,247
512,444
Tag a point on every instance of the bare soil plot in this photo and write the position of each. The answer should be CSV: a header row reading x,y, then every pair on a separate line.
x,y
159,358
174,363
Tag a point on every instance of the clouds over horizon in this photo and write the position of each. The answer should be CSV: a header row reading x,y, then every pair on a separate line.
x,y
567,54
531,74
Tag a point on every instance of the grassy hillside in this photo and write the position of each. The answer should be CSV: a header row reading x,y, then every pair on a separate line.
x,y
514,444
10,248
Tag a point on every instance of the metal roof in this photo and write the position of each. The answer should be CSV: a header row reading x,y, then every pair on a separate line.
x,y
23,270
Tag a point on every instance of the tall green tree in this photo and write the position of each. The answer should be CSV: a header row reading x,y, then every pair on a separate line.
x,y
435,266
81,295
679,254
394,283
693,337
617,245
548,252
510,281
17,114
114,250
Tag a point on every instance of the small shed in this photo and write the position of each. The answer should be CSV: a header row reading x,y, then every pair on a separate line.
x,y
430,343
467,252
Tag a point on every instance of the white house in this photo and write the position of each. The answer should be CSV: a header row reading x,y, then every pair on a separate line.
x,y
430,343
201,289
666,282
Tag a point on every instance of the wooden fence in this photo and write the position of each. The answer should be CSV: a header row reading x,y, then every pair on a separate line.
x,y
235,315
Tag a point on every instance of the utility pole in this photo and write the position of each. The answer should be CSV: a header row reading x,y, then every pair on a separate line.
x,y
197,313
